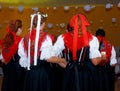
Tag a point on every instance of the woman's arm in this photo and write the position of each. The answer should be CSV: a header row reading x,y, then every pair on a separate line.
x,y
95,55
50,52
56,59
23,58
113,59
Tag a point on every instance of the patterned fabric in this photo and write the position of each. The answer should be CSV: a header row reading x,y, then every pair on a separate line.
x,y
32,38
9,52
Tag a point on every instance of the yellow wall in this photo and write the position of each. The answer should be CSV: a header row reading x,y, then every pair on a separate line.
x,y
99,16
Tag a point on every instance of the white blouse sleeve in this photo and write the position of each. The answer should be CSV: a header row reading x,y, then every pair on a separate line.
x,y
1,57
23,57
94,48
58,46
46,48
113,59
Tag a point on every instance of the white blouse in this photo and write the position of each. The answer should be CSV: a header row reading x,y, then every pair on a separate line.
x,y
94,47
1,57
113,59
45,51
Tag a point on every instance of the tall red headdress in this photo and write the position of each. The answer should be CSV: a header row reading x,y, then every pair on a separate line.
x,y
74,23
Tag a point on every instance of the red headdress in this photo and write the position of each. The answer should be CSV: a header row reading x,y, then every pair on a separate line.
x,y
74,23
10,50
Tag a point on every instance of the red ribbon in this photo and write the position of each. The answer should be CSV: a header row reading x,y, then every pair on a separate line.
x,y
74,24
75,38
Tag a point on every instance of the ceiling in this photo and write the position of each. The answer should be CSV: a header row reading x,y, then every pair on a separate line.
x,y
49,3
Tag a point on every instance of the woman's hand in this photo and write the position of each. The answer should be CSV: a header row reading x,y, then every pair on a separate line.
x,y
63,65
103,55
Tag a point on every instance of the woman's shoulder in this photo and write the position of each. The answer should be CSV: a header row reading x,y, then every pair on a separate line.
x,y
52,37
94,37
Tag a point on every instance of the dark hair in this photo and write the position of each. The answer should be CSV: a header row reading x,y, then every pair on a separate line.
x,y
69,28
43,19
13,27
100,32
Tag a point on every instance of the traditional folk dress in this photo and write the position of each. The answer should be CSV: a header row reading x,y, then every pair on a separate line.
x,y
13,72
80,73
105,70
39,77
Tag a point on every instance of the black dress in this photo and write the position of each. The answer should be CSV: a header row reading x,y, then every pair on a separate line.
x,y
80,74
105,71
59,73
13,75
40,77
105,78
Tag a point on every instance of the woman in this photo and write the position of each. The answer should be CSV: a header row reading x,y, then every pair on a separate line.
x,y
106,66
34,51
13,73
80,49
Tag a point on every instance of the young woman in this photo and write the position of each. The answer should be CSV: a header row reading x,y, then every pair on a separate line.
x,y
80,49
106,66
13,73
34,51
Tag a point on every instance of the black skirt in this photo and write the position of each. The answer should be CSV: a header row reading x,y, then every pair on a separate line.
x,y
40,77
13,76
59,73
105,78
80,77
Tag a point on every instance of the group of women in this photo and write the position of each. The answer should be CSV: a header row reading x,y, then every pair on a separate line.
x,y
75,61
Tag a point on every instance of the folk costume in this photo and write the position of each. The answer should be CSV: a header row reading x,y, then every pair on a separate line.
x,y
13,73
80,73
105,69
34,50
